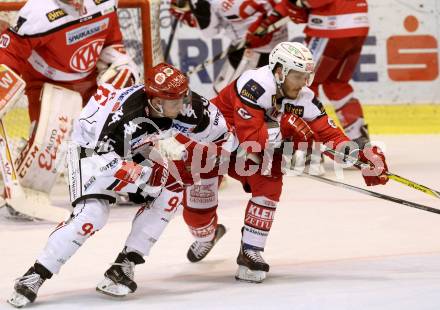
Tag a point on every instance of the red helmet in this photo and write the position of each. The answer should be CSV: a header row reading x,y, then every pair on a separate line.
x,y
166,82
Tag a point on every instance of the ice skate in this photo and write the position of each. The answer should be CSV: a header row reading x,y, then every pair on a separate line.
x,y
27,286
199,250
119,278
251,266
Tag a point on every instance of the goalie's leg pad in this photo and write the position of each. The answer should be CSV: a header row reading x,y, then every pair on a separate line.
x,y
41,161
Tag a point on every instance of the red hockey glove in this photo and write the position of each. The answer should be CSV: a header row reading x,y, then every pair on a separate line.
x,y
297,14
257,34
181,10
294,128
377,174
159,174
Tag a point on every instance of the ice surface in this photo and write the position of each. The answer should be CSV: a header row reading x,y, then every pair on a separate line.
x,y
329,248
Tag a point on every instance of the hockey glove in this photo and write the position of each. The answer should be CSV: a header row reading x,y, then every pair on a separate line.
x,y
116,67
294,9
181,10
295,129
257,34
377,173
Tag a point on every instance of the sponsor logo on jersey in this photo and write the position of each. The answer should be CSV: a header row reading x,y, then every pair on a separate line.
x,y
55,14
332,123
89,183
188,111
216,118
116,116
244,114
106,145
252,91
184,128
130,128
84,32
110,165
98,2
202,193
84,58
5,39
297,110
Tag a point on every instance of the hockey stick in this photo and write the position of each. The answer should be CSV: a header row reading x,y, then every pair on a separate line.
x,y
357,163
234,48
374,194
170,39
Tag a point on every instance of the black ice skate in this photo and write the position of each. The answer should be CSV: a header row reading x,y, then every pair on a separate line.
x,y
27,286
251,265
119,278
199,250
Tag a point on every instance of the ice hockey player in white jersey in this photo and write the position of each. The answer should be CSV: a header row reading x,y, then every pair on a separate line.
x,y
112,151
202,122
240,20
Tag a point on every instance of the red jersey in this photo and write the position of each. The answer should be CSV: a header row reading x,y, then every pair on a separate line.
x,y
249,104
337,18
49,45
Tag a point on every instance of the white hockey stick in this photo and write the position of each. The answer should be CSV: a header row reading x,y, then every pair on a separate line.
x,y
234,48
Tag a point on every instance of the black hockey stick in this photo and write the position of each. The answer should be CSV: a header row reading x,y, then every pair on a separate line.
x,y
234,48
357,163
170,39
374,194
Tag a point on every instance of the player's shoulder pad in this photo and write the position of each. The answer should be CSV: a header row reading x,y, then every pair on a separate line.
x,y
256,88
306,105
35,19
130,99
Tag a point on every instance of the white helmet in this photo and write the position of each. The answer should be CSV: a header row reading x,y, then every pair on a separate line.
x,y
292,56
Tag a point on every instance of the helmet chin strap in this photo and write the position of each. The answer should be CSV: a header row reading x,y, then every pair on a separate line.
x,y
157,110
279,84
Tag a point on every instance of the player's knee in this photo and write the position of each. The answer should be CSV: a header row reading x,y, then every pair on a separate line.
x,y
199,217
91,215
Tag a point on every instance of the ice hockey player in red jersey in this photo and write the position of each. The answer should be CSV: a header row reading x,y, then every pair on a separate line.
x,y
56,48
335,33
271,104
112,151
241,20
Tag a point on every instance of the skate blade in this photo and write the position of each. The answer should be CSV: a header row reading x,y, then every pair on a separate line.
x,y
111,288
17,300
251,276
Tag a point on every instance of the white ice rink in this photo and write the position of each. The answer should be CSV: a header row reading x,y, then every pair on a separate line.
x,y
329,248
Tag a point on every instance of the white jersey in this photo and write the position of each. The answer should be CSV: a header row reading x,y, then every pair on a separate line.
x,y
258,88
234,18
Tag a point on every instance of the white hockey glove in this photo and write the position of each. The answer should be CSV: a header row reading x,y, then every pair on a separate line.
x,y
116,67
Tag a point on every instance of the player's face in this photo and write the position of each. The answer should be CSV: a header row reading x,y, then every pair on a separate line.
x,y
171,108
293,83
